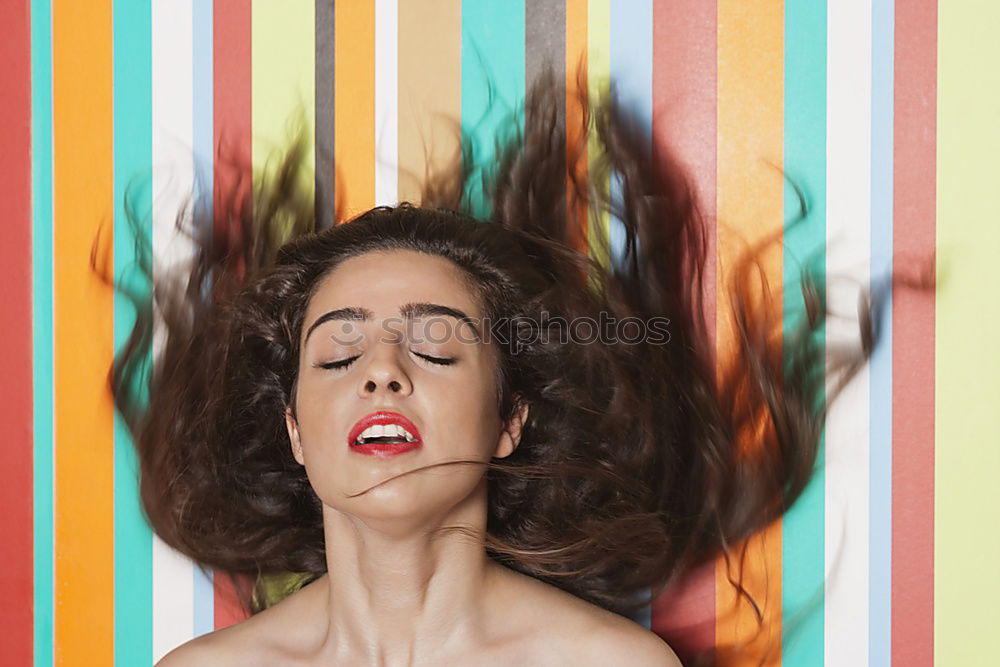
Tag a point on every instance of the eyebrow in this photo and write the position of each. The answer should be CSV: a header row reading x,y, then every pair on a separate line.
x,y
410,310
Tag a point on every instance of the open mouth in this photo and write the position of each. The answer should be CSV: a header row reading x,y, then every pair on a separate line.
x,y
384,433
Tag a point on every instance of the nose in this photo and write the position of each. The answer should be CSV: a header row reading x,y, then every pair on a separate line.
x,y
385,374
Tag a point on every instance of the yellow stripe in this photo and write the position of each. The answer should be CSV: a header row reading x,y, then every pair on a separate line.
x,y
354,102
598,81
283,78
750,125
84,438
967,459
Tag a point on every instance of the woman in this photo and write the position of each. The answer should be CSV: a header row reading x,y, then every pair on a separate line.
x,y
474,441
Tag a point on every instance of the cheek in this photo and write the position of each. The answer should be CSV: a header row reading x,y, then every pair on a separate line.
x,y
323,446
473,418
320,456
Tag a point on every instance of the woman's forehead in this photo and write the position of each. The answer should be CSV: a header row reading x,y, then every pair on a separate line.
x,y
384,281
395,276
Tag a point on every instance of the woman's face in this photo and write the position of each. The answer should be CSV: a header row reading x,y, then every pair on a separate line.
x,y
378,316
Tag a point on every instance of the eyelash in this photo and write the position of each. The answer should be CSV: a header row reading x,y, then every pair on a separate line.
x,y
344,363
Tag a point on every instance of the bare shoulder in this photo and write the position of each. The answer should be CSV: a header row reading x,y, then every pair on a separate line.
x,y
586,634
209,649
263,639
245,644
630,644
605,638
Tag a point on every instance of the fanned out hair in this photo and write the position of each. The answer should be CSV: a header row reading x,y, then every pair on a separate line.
x,y
639,460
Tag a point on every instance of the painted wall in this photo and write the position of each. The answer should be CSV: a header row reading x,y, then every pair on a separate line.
x,y
885,113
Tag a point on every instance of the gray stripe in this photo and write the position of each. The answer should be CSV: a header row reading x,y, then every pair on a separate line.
x,y
545,52
545,43
325,174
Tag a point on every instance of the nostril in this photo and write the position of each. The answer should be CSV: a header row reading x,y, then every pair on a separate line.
x,y
394,385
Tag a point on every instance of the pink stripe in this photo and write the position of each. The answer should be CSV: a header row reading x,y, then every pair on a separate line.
x,y
232,98
233,170
684,106
16,580
913,335
684,118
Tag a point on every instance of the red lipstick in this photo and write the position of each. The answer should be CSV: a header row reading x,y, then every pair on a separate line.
x,y
383,449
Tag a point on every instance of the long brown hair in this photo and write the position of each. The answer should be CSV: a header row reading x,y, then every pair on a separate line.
x,y
638,461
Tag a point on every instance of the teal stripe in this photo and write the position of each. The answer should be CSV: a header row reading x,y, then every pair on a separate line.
x,y
492,84
133,101
42,334
803,533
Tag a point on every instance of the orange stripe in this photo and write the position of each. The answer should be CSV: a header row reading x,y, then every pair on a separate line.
x,y
430,91
750,127
576,148
354,106
83,195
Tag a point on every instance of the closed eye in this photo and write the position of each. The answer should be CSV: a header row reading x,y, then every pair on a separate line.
x,y
440,361
344,363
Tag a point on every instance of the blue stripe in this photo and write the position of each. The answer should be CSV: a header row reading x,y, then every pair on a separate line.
x,y
803,527
203,108
631,64
492,84
204,601
880,371
43,298
133,155
203,131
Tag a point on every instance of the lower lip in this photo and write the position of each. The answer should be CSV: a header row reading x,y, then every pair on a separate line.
x,y
385,449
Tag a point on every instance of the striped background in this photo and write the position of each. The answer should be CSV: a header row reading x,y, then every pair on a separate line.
x,y
887,114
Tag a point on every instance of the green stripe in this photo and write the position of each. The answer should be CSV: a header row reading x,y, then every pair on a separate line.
x,y
492,66
802,593
133,155
42,304
598,88
967,458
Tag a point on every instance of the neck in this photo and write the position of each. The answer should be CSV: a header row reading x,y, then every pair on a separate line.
x,y
399,596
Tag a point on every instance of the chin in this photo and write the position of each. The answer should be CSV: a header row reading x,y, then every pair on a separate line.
x,y
405,505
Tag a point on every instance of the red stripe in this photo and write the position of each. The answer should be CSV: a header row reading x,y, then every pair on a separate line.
x,y
16,559
228,608
684,118
17,556
914,159
233,172
232,90
684,106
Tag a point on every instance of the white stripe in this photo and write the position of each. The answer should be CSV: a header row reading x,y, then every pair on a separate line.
x,y
848,144
386,124
173,176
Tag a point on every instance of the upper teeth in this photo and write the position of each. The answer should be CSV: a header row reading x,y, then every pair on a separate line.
x,y
386,431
